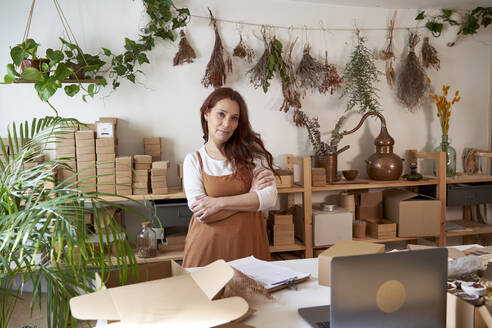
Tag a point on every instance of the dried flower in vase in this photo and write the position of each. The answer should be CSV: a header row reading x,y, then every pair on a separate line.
x,y
242,50
388,56
429,55
444,106
185,54
411,84
331,80
312,127
359,77
310,71
292,96
215,74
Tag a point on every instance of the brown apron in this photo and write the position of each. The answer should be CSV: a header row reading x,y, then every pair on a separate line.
x,y
240,235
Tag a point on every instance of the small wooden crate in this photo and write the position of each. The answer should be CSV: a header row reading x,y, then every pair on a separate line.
x,y
286,179
380,228
318,176
280,217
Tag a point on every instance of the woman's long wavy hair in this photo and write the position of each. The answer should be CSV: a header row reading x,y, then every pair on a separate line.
x,y
245,145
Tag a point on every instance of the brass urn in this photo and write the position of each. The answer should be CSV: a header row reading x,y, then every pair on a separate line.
x,y
384,164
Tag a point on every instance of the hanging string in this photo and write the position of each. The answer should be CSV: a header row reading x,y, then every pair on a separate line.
x,y
305,28
28,25
67,28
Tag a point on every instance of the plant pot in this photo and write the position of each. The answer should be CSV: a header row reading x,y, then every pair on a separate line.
x,y
78,72
36,63
329,163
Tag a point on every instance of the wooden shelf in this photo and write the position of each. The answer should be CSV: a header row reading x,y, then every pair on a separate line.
x,y
174,193
373,240
476,229
469,179
370,184
293,189
298,246
63,81
163,256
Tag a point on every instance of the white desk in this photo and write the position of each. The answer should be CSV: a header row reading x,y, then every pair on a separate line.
x,y
282,311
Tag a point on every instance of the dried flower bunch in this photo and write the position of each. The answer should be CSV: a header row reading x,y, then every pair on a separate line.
x,y
185,53
429,55
331,80
312,127
242,50
444,106
411,84
360,76
259,73
290,91
215,74
310,71
388,56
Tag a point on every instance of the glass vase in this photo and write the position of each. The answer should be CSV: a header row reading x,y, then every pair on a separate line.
x,y
446,147
147,241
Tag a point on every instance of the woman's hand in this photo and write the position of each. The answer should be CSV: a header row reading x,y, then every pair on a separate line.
x,y
262,178
205,207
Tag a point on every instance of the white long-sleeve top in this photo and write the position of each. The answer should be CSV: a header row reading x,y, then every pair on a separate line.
x,y
193,184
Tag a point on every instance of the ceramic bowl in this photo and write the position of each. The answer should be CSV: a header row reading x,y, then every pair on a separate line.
x,y
473,288
350,174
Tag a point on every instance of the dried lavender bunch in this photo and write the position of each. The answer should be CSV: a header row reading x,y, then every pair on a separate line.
x,y
429,55
215,74
331,80
292,96
310,71
185,54
258,74
242,50
411,81
360,76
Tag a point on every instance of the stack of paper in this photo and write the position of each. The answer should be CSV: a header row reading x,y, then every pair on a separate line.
x,y
266,273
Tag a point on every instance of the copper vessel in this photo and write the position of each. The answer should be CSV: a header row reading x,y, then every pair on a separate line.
x,y
329,163
384,164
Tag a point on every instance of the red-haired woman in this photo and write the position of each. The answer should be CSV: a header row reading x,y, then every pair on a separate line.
x,y
228,182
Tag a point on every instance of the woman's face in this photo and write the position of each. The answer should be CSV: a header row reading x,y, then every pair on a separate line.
x,y
222,120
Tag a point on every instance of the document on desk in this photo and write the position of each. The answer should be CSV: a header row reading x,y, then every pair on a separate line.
x,y
266,273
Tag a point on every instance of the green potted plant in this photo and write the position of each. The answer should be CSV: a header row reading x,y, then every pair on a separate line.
x,y
43,236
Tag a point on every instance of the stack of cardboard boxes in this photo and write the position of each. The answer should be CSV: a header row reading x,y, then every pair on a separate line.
x,y
124,175
159,177
86,159
65,148
106,155
143,164
152,147
281,226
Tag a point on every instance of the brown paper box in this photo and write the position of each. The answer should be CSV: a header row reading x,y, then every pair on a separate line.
x,y
106,150
89,143
370,205
159,179
285,181
105,129
151,148
141,185
343,248
381,228
106,189
416,215
88,127
65,150
106,158
113,120
280,217
124,191
152,141
140,191
106,180
160,191
85,150
158,172
105,142
86,173
161,165
82,166
120,179
71,163
461,314
84,135
140,172
105,165
86,157
124,160
123,168
159,185
142,159
142,166
101,171
140,179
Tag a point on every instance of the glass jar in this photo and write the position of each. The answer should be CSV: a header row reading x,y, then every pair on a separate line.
x,y
146,241
450,156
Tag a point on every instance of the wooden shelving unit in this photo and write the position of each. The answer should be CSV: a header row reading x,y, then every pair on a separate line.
x,y
288,248
476,229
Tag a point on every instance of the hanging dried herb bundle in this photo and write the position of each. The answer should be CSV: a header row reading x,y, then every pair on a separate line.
x,y
388,56
292,96
242,50
411,82
270,61
310,71
331,80
185,53
429,55
215,74
360,76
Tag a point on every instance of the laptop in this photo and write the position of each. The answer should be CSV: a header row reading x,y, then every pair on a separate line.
x,y
400,289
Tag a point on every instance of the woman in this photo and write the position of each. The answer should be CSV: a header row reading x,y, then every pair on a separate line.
x,y
228,182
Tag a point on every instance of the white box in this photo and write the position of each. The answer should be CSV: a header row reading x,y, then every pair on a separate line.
x,y
331,227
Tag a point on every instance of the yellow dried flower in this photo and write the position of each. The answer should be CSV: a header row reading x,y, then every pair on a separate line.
x,y
444,106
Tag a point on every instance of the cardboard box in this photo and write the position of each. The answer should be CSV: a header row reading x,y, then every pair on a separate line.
x,y
380,228
124,160
104,171
158,185
282,234
369,205
141,173
106,150
140,179
85,165
161,165
105,142
148,148
65,151
122,179
84,135
81,151
106,180
192,303
331,227
105,129
158,172
140,185
160,191
124,191
87,127
343,248
142,159
139,191
159,179
106,189
105,165
281,217
286,179
89,172
461,314
142,166
86,157
416,215
89,143
152,141
106,158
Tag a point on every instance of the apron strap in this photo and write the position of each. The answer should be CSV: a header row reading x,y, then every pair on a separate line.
x,y
200,160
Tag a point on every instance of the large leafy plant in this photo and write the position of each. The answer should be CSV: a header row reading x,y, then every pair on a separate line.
x,y
43,236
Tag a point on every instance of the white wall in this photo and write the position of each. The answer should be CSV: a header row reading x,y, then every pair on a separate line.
x,y
166,100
